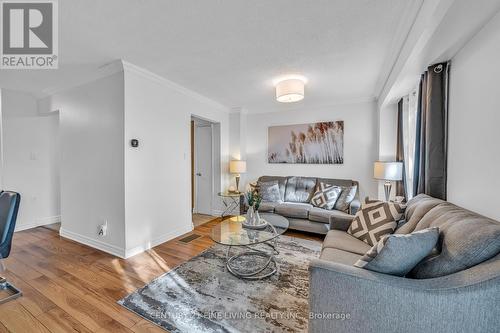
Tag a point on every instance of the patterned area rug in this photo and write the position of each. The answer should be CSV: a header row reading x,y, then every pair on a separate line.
x,y
202,296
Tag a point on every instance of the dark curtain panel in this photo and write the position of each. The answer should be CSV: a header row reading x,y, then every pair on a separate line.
x,y
432,132
400,185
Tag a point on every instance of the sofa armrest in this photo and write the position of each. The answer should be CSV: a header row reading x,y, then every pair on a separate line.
x,y
345,298
354,206
340,223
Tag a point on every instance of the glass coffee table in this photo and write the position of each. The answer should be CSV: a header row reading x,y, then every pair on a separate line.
x,y
261,259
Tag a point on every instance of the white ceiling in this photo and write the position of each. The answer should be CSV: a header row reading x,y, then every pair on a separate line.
x,y
231,50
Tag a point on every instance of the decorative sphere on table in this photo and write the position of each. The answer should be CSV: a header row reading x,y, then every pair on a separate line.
x,y
232,188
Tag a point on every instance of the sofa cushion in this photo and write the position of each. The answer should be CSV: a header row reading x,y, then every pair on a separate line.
x,y
270,191
299,189
346,197
325,196
375,219
416,208
466,239
267,206
339,256
337,182
308,226
398,254
323,215
293,209
281,183
343,241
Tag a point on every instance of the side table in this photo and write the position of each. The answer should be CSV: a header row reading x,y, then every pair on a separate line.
x,y
232,200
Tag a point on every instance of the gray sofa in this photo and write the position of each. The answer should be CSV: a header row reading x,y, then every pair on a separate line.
x,y
460,294
296,193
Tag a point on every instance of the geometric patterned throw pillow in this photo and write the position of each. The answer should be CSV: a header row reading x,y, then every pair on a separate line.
x,y
376,219
325,196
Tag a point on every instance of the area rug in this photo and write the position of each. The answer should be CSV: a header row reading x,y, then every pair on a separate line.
x,y
202,296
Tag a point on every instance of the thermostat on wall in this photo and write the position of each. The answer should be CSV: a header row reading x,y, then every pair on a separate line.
x,y
134,143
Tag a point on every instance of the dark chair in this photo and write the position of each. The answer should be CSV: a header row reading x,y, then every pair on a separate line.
x,y
9,206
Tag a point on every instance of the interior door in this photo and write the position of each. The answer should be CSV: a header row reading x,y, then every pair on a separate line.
x,y
203,169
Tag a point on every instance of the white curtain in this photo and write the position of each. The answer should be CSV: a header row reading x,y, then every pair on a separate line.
x,y
409,135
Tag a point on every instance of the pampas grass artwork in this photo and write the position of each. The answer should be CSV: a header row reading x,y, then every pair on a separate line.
x,y
317,143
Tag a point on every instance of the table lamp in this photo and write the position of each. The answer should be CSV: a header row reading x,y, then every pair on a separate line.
x,y
237,167
388,171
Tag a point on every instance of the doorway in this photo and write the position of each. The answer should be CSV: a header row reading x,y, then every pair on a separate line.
x,y
205,161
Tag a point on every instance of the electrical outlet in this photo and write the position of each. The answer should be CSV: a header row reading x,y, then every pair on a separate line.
x,y
103,229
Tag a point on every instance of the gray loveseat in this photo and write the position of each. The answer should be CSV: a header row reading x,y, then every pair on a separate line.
x,y
294,204
457,290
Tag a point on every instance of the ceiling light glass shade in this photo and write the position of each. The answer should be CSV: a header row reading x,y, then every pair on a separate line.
x,y
290,90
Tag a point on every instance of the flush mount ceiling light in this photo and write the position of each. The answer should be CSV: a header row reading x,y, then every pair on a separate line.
x,y
290,89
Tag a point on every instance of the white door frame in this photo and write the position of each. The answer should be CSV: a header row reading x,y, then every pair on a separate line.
x,y
216,164
196,181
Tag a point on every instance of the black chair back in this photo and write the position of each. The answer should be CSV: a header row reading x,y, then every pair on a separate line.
x,y
9,206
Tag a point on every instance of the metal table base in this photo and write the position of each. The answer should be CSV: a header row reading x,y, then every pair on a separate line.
x,y
257,273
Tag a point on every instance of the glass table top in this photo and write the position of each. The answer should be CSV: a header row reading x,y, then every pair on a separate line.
x,y
231,231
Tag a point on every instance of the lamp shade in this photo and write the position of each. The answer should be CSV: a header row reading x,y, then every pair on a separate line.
x,y
388,170
237,166
290,90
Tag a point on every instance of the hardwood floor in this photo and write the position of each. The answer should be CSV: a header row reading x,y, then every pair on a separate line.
x,y
199,219
69,287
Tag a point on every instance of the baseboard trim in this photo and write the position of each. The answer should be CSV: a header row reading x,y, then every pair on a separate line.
x,y
38,223
159,240
120,252
216,212
96,244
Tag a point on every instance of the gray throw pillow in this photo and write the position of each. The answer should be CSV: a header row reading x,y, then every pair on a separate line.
x,y
270,191
325,196
345,198
398,254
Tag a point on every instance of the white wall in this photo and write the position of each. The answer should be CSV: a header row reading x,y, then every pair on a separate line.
x,y
387,141
30,159
360,144
237,144
143,193
157,174
474,118
92,162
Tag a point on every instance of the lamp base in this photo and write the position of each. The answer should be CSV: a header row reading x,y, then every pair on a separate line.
x,y
237,184
387,189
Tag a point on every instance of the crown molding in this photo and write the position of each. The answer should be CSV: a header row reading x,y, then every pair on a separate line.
x,y
128,67
100,73
121,65
238,110
430,15
405,26
352,101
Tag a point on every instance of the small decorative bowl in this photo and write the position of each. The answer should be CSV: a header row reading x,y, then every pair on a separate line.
x,y
261,225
